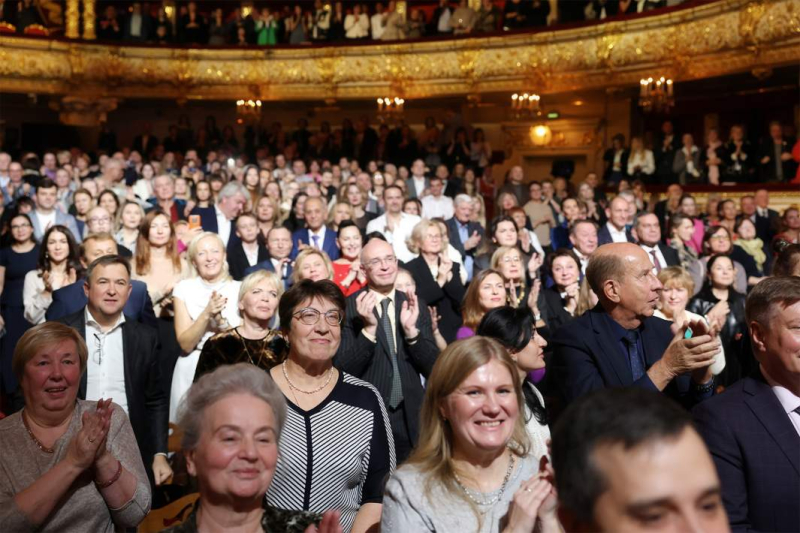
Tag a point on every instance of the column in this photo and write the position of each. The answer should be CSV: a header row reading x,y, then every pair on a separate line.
x,y
89,19
73,19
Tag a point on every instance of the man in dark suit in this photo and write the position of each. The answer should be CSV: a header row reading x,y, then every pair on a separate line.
x,y
648,232
616,160
387,340
279,247
775,157
620,343
764,226
763,211
231,201
630,460
164,198
465,235
664,153
123,363
316,234
247,248
71,298
616,229
753,428
417,184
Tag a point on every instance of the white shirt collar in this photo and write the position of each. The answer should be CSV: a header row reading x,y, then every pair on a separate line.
x,y
90,321
789,401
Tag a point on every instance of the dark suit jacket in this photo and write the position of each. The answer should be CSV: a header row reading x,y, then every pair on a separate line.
x,y
370,361
145,390
604,235
670,255
69,299
237,259
208,221
552,308
147,148
588,357
267,265
768,170
757,452
608,157
447,299
328,246
454,187
455,240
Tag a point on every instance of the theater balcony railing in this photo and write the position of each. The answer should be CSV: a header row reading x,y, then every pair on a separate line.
x,y
697,41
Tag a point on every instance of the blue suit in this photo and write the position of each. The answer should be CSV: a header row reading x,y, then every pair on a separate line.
x,y
70,299
757,453
61,218
587,356
328,246
267,265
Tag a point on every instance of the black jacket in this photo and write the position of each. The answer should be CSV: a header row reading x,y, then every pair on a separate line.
x,y
145,389
447,298
237,259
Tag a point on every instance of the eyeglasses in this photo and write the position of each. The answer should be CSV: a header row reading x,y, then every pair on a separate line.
x,y
100,219
515,259
388,260
720,238
310,316
20,226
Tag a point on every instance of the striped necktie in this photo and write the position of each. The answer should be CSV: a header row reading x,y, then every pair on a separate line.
x,y
396,394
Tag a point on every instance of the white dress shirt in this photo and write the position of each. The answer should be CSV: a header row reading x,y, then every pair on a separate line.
x,y
584,260
419,185
398,237
789,401
441,207
223,225
105,368
616,235
252,255
661,260
376,23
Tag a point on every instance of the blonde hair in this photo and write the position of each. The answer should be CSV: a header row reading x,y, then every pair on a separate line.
x,y
584,298
251,280
191,253
414,241
433,455
305,254
43,336
499,253
332,211
676,276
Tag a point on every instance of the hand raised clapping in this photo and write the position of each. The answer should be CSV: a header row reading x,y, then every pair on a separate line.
x,y
89,444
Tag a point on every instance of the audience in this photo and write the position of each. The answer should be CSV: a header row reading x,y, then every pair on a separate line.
x,y
57,267
487,291
67,461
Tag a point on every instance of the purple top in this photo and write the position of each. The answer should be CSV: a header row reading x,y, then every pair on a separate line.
x,y
464,333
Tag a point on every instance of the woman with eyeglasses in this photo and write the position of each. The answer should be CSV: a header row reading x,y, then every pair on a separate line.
x,y
336,447
16,261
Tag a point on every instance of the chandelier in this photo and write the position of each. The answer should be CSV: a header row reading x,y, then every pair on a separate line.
x,y
525,106
390,107
248,111
656,94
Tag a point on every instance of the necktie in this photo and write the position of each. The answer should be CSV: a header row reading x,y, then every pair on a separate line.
x,y
316,241
396,394
637,366
656,262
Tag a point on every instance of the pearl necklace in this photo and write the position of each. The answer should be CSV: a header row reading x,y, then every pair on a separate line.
x,y
294,387
493,501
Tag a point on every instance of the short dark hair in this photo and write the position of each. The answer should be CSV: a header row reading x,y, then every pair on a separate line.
x,y
774,291
308,290
104,261
347,224
392,186
787,259
578,222
46,183
630,417
562,252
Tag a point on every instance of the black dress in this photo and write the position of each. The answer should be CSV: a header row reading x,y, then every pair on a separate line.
x,y
734,336
229,347
447,299
12,307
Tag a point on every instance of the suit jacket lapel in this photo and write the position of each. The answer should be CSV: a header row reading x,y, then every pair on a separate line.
x,y
609,347
129,346
80,325
769,411
650,345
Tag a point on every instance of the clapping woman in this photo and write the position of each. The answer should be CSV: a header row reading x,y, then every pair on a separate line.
x,y
347,271
59,265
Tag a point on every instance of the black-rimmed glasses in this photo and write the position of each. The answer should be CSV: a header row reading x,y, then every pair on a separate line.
x,y
310,316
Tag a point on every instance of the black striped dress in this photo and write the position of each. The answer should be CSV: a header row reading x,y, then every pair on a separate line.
x,y
337,455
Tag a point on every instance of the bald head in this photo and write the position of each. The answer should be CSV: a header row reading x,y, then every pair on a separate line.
x,y
380,265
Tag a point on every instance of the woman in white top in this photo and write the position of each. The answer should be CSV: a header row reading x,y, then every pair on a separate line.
x,y
678,288
640,161
59,262
204,305
513,327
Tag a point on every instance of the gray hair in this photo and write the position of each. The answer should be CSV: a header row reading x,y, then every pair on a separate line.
x,y
628,195
462,199
222,382
232,189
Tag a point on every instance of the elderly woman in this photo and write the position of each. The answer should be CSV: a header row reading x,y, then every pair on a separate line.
x,y
514,329
559,302
312,264
67,464
253,341
58,267
678,286
508,261
733,334
438,277
487,291
347,271
472,469
232,420
204,305
337,447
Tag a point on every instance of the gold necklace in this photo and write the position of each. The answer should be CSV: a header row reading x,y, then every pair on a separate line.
x,y
294,387
247,350
35,440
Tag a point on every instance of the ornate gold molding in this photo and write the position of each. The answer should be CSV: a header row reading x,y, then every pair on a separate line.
x,y
719,38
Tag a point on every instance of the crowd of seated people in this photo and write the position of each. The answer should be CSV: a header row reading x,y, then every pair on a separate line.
x,y
287,23
366,320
